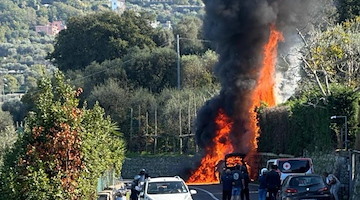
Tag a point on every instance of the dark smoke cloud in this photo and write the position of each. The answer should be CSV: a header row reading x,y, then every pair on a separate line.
x,y
240,28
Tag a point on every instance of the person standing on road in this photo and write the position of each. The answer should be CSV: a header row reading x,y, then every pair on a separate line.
x,y
238,183
226,180
273,182
334,184
143,175
262,184
135,188
245,191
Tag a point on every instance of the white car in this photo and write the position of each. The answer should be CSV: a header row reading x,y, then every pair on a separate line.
x,y
166,188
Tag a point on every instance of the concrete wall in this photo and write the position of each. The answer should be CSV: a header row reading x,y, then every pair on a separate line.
x,y
160,166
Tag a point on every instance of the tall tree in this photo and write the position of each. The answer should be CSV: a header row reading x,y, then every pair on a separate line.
x,y
189,30
8,134
333,56
154,70
98,37
64,148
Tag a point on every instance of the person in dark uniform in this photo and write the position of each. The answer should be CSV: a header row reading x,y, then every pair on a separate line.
x,y
262,184
238,183
245,191
226,180
135,188
143,175
273,182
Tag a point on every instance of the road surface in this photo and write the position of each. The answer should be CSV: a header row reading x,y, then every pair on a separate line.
x,y
213,192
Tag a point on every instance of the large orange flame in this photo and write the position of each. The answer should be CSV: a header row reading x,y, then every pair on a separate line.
x,y
222,146
263,92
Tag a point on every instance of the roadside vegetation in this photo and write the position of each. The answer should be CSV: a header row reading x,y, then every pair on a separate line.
x,y
128,98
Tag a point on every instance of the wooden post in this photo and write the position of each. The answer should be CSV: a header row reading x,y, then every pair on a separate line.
x,y
180,131
155,137
131,126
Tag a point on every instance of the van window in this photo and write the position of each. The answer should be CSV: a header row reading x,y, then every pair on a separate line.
x,y
294,166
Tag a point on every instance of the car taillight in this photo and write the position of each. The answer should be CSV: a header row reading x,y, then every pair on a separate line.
x,y
323,189
291,190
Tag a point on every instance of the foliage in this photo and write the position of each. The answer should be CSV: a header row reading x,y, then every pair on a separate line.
x,y
332,56
96,74
56,157
154,70
78,45
11,83
16,108
8,134
305,123
348,9
197,70
190,32
141,113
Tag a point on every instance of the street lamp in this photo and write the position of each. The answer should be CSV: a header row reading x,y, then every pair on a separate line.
x,y
346,134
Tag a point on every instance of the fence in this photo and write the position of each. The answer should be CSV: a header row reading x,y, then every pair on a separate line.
x,y
354,181
107,179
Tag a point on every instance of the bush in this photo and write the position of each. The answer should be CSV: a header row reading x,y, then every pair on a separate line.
x,y
64,148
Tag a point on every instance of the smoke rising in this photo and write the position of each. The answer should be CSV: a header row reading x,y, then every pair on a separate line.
x,y
239,29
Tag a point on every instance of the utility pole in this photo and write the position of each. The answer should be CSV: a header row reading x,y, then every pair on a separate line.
x,y
178,61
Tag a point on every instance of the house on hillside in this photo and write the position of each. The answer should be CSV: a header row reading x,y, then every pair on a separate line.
x,y
52,28
118,6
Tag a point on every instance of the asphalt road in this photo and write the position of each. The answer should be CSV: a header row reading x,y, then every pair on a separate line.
x,y
213,192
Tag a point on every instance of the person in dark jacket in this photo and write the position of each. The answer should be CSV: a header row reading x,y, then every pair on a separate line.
x,y
245,191
262,184
226,180
238,183
273,182
135,188
143,175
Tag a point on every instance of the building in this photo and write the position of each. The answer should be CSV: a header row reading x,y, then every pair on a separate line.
x,y
118,5
52,28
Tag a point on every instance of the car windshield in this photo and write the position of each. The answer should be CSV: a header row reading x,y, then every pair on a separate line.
x,y
305,181
166,187
294,166
102,197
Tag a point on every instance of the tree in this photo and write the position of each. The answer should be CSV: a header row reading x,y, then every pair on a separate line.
x,y
64,149
198,70
16,108
97,74
154,70
348,9
98,37
114,98
11,83
332,56
8,134
189,30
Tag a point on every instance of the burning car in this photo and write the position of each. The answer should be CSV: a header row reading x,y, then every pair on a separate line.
x,y
234,159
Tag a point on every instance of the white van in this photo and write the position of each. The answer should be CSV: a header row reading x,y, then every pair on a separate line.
x,y
290,166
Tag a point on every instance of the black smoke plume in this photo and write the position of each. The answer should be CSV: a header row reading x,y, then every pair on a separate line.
x,y
239,29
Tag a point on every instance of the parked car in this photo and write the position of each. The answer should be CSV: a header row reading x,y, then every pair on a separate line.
x,y
166,188
292,166
107,194
305,187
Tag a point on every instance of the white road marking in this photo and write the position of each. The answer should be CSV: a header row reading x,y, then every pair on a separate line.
x,y
207,192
